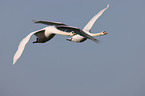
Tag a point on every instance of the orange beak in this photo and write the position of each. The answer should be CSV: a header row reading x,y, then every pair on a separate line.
x,y
105,33
73,33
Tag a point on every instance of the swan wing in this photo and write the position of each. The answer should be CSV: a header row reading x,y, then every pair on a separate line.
x,y
22,45
48,22
93,20
76,31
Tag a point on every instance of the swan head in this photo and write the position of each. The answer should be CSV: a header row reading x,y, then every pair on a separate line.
x,y
103,33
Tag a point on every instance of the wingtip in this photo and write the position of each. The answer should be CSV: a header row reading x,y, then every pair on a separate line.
x,y
107,5
97,41
35,21
14,62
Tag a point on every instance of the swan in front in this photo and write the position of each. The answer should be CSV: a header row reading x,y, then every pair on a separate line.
x,y
48,33
87,28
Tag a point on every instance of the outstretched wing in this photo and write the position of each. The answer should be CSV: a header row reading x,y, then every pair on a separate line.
x,y
92,21
48,22
22,46
77,31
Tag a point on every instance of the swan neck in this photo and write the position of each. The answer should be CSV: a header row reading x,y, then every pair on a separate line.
x,y
96,34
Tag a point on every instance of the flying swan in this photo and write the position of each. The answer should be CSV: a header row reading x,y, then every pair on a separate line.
x,y
87,28
47,33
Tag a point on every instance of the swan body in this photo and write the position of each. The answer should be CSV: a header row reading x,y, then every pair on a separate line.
x,y
48,33
78,38
87,28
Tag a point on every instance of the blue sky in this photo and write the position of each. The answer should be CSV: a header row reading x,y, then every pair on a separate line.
x,y
114,67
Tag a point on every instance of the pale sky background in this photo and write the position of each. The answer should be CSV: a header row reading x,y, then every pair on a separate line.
x,y
114,67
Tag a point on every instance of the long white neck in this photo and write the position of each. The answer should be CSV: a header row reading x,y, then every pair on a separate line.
x,y
97,34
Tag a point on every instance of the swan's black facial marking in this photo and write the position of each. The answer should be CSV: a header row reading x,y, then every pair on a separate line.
x,y
105,33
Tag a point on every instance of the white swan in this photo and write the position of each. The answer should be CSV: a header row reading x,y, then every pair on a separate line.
x,y
78,38
49,32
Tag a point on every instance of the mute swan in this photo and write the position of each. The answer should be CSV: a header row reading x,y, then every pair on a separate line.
x,y
49,32
78,38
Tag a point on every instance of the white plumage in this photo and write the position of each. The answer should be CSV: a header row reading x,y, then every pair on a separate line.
x,y
87,28
49,32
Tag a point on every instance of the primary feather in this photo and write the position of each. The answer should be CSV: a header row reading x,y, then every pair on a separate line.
x,y
21,47
93,20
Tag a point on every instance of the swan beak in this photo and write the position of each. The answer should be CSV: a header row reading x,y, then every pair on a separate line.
x,y
73,33
105,33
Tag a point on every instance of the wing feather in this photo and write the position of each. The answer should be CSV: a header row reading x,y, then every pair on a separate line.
x,y
22,45
93,20
48,22
77,31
